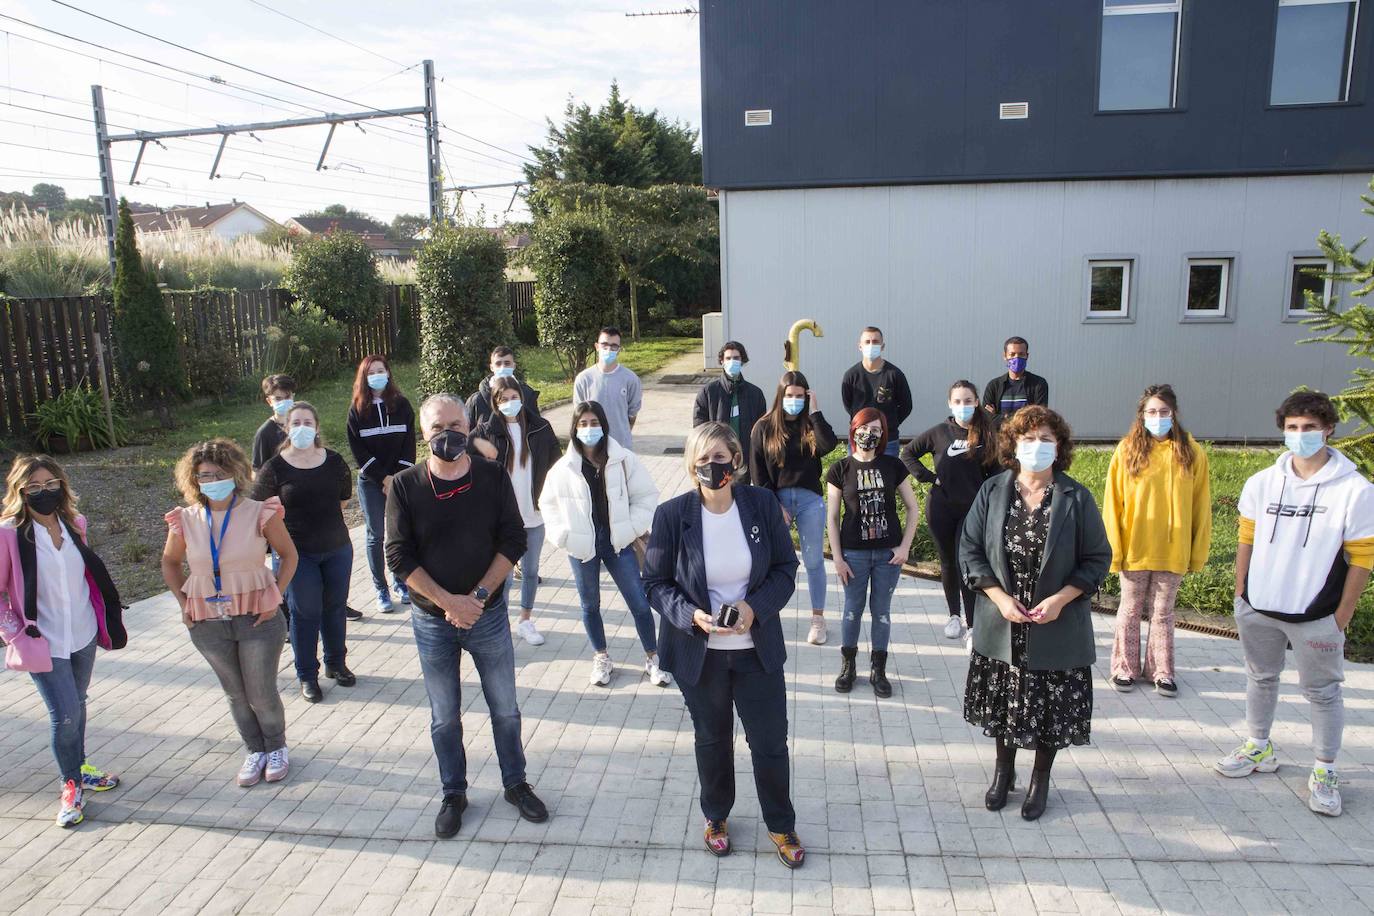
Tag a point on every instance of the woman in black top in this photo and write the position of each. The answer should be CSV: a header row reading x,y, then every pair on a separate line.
x,y
965,454
314,484
381,436
786,448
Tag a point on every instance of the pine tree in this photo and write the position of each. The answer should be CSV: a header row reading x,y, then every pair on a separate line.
x,y
147,353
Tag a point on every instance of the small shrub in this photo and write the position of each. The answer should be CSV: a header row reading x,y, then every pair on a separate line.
x,y
337,273
77,416
575,265
304,344
147,355
683,327
214,369
464,308
407,330
528,331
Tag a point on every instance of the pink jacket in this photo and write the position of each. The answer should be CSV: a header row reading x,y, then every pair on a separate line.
x,y
12,580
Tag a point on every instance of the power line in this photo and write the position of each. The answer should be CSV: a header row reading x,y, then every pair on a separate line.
x,y
315,28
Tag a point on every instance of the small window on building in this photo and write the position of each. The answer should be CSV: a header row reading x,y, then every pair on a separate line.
x,y
1109,289
1304,276
1314,44
1139,55
1209,281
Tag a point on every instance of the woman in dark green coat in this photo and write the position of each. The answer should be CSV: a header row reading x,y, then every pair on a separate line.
x,y
1034,548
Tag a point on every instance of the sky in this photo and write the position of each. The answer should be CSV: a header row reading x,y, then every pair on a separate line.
x,y
503,68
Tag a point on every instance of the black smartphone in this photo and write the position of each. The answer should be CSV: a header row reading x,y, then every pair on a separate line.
x,y
727,617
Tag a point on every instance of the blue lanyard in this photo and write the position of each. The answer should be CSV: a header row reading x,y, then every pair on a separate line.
x,y
214,548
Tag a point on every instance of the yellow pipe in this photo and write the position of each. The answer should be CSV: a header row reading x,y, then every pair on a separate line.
x,y
791,350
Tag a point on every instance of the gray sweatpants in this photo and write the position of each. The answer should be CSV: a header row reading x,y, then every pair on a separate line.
x,y
1318,649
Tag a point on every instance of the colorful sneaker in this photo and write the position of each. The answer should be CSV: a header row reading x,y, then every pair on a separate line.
x,y
954,628
1324,793
278,765
97,780
402,593
601,670
384,601
69,813
529,632
790,851
657,676
250,774
1248,758
817,636
717,837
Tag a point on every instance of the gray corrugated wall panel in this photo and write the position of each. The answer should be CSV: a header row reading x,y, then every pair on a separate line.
x,y
949,271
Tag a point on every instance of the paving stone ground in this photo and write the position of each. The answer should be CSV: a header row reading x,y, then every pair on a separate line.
x,y
888,793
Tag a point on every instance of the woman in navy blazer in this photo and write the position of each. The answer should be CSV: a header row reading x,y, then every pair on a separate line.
x,y
719,569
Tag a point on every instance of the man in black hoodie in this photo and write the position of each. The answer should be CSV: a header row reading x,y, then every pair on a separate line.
x,y
732,400
875,382
1016,387
502,364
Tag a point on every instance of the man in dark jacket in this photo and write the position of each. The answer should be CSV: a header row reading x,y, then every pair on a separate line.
x,y
1015,388
502,364
875,382
732,400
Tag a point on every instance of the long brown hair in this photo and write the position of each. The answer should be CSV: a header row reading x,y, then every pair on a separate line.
x,y
363,393
499,385
17,508
1139,443
980,431
777,427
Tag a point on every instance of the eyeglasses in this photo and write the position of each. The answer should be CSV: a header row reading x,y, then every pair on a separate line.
x,y
1162,413
211,477
609,346
51,486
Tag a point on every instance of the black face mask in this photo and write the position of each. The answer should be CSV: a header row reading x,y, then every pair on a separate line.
x,y
449,445
715,475
45,503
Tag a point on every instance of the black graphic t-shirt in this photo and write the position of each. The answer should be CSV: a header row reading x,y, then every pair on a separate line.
x,y
869,494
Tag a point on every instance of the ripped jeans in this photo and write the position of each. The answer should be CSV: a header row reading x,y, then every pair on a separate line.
x,y
63,690
874,581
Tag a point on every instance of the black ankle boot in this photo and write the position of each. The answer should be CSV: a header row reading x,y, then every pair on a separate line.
x,y
845,682
1003,781
1037,794
877,675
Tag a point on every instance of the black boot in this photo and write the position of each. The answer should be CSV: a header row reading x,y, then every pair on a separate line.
x,y
877,674
1003,781
845,682
1036,795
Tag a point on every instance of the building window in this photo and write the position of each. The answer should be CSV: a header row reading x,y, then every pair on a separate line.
x,y
1302,279
1209,282
1314,44
1139,55
1109,288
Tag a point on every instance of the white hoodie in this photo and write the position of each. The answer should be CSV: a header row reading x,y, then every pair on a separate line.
x,y
1306,534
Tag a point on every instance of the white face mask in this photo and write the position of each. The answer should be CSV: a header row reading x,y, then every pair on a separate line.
x,y
962,412
302,436
510,408
1035,456
503,371
793,406
871,351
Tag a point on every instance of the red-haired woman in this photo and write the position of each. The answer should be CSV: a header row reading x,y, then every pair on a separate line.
x,y
381,435
868,540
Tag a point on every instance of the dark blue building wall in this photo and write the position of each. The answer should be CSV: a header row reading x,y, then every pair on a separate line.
x,y
906,92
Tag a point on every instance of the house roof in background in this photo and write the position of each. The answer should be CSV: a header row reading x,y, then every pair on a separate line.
x,y
315,224
194,217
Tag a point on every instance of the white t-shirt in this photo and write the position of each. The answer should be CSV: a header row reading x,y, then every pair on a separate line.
x,y
522,478
728,564
66,617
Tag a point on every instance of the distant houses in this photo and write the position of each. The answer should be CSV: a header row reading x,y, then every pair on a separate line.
x,y
228,221
373,233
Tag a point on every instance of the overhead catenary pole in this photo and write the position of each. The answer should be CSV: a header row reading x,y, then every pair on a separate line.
x,y
107,190
436,174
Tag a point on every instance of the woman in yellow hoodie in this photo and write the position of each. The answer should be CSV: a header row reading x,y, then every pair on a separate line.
x,y
1158,514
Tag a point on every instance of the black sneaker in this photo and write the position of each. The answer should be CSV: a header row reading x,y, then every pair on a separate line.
x,y
353,613
1123,684
1165,687
450,816
531,808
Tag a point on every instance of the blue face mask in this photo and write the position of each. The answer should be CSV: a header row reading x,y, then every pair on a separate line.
x,y
377,380
733,367
1159,426
217,490
503,372
282,408
871,351
589,435
1305,444
302,436
509,408
962,413
609,356
793,406
1035,456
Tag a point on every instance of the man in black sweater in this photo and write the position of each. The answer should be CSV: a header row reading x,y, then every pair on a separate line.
x,y
453,532
1016,387
502,365
732,400
875,382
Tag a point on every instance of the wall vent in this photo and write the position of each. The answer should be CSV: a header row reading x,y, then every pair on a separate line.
x,y
758,117
1013,111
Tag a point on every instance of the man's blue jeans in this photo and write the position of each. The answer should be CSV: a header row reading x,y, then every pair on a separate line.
x,y
440,644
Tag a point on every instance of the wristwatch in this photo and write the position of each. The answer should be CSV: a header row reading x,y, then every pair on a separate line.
x,y
481,593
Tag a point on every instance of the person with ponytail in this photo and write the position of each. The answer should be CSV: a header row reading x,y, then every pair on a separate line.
x,y
786,448
1158,514
964,451
59,604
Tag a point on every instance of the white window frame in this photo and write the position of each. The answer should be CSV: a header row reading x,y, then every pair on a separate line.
x,y
1227,262
1127,264
1349,50
1166,6
1296,261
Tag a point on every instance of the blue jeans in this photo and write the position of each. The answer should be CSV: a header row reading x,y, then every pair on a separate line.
x,y
624,570
373,503
808,514
873,582
894,447
734,680
529,568
63,690
318,595
440,644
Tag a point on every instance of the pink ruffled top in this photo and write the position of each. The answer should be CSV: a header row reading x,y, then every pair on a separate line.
x,y
244,576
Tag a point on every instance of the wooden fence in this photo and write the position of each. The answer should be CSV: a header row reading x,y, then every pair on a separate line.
x,y
521,294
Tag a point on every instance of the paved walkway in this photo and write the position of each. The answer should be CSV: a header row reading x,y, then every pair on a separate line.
x,y
888,793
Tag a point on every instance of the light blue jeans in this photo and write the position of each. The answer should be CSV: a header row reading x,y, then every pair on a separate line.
x,y
529,568
874,580
807,510
63,690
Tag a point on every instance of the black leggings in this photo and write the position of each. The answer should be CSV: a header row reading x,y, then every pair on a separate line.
x,y
1044,756
945,520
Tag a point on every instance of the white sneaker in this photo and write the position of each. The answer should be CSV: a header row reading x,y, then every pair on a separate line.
x,y
1248,758
1324,791
250,774
601,670
657,676
278,765
69,812
968,642
817,636
954,627
529,632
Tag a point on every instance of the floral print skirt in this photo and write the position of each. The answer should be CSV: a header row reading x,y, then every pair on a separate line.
x,y
1030,709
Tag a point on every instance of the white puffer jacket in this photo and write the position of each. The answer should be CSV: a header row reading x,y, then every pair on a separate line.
x,y
566,502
